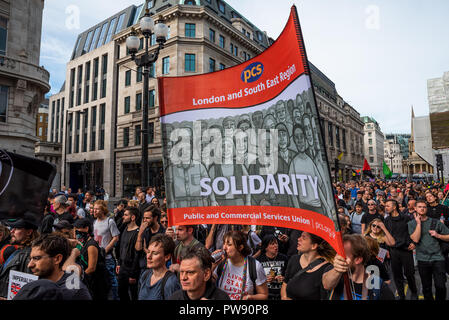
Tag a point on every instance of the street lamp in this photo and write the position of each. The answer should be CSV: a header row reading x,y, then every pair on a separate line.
x,y
65,139
391,155
160,30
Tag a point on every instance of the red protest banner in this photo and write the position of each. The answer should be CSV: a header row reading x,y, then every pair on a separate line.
x,y
244,145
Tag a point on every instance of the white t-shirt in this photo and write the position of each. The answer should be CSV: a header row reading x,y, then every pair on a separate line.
x,y
232,278
104,231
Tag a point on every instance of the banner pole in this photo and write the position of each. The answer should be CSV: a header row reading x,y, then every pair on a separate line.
x,y
302,48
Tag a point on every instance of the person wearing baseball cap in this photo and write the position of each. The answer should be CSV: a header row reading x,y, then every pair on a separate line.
x,y
23,233
64,227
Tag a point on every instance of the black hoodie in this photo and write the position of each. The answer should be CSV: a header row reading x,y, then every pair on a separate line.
x,y
211,293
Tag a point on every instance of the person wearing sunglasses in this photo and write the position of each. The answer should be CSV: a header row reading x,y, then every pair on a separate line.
x,y
377,230
370,215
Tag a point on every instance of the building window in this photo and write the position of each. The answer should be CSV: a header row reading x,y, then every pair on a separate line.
x,y
87,43
102,122
222,66
104,72
371,159
344,138
166,65
221,41
189,62
4,103
138,101
190,30
111,30
370,134
137,136
41,119
221,7
127,104
86,124
371,151
370,141
70,132
102,34
212,35
151,97
80,80
77,132
330,132
211,65
120,23
139,74
40,131
126,137
337,137
3,35
93,134
150,132
128,78
152,70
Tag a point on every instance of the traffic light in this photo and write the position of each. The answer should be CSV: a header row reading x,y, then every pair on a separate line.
x,y
439,159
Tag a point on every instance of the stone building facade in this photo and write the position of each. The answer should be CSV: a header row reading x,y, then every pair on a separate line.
x,y
374,145
23,83
103,145
342,127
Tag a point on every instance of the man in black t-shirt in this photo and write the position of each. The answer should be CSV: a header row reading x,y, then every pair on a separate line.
x,y
402,251
48,255
274,264
357,255
436,210
128,259
370,215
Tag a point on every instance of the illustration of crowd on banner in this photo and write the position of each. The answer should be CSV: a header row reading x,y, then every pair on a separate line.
x,y
237,166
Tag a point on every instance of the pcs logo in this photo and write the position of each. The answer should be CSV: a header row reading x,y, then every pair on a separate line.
x,y
252,72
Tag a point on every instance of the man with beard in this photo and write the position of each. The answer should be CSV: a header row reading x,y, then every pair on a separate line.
x,y
23,232
357,256
48,255
127,256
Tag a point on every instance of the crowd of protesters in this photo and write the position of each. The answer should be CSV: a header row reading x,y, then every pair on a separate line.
x,y
390,230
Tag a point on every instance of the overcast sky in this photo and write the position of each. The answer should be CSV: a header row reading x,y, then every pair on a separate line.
x,y
379,53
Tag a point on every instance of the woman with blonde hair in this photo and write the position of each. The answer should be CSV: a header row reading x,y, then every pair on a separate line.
x,y
376,230
374,248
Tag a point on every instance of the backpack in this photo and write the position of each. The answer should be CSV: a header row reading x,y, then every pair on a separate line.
x,y
2,252
251,266
99,280
444,246
167,275
252,245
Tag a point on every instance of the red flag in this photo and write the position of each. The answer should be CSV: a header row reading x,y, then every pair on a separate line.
x,y
366,166
447,188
